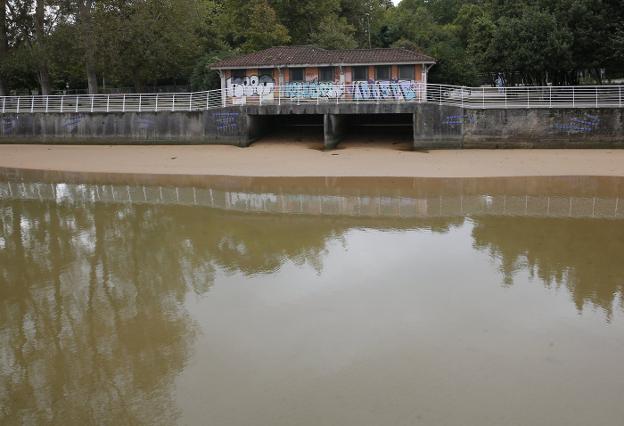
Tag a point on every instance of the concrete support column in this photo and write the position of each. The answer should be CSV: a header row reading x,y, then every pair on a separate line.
x,y
335,128
439,128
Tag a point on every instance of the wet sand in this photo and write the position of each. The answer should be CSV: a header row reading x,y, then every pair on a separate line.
x,y
285,159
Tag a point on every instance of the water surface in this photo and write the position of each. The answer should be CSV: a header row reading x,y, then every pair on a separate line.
x,y
152,300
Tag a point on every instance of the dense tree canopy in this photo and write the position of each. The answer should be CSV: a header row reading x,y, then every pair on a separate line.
x,y
48,46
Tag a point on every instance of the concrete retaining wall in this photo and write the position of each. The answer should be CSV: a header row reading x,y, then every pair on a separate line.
x,y
434,126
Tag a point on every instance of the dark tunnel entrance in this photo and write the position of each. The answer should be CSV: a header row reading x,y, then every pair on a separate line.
x,y
364,129
298,128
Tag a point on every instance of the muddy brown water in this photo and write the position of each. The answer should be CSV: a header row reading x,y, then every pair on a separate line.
x,y
340,301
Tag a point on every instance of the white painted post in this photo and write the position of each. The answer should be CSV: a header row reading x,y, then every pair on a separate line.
x,y
173,103
549,96
92,103
156,106
528,97
107,103
208,99
596,97
573,100
140,99
482,97
279,94
47,103
123,103
77,101
620,87
3,104
462,96
32,104
191,102
18,103
505,91
62,99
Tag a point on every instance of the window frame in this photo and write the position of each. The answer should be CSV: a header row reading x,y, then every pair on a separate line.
x,y
362,68
412,69
265,71
290,74
332,72
238,73
385,67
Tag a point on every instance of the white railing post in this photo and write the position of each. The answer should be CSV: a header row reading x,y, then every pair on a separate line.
x,y
156,105
47,103
279,95
596,97
528,97
505,92
3,104
32,104
191,102
62,99
107,103
620,97
173,103
18,103
77,102
92,99
207,99
123,103
573,100
549,96
483,97
140,99
462,96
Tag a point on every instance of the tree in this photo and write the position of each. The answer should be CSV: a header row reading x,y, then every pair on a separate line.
x,y
4,45
334,33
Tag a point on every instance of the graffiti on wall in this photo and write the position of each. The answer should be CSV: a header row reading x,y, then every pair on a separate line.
x,y
8,125
386,89
457,120
585,124
226,123
313,89
250,86
264,86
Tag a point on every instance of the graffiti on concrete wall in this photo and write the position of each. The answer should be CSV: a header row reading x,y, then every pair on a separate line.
x,y
71,123
8,125
226,123
250,86
585,124
457,120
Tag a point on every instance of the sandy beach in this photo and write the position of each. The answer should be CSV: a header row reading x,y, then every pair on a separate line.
x,y
275,158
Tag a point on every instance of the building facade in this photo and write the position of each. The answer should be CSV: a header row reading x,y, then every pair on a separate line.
x,y
312,73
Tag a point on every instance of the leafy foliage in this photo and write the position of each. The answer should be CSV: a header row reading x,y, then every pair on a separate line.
x,y
141,43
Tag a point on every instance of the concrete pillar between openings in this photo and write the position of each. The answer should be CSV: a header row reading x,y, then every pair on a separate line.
x,y
335,129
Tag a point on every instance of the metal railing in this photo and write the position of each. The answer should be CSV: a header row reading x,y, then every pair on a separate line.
x,y
326,93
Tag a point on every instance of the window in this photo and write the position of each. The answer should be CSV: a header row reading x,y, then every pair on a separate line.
x,y
326,74
406,72
360,73
382,72
296,74
238,74
265,71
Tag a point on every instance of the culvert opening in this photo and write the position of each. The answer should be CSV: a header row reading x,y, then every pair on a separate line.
x,y
386,129
298,128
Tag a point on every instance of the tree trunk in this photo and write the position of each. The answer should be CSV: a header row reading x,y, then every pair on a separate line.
x,y
4,48
88,43
43,72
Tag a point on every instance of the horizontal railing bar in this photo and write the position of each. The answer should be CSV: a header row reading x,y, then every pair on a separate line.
x,y
608,96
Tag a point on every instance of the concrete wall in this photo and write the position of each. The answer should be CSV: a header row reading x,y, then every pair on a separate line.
x,y
434,126
229,126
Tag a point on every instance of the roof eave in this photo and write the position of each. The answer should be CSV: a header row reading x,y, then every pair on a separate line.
x,y
229,67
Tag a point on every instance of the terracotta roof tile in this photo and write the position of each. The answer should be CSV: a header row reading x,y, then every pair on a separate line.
x,y
309,55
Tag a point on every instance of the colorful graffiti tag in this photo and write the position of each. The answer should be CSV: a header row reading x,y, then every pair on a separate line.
x,y
264,86
385,89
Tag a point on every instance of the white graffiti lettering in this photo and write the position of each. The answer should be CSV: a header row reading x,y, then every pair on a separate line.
x,y
250,86
386,89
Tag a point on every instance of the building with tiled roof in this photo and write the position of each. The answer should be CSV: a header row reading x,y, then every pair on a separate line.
x,y
313,72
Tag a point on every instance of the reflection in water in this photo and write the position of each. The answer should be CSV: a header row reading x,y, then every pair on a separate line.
x,y
94,283
581,254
